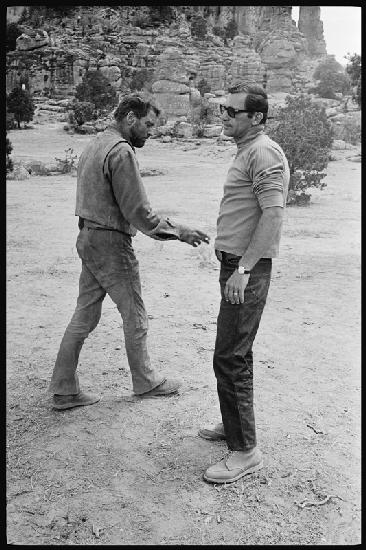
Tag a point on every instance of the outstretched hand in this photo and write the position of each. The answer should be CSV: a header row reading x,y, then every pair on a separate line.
x,y
194,237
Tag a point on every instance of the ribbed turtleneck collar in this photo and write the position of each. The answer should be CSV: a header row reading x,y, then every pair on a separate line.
x,y
250,136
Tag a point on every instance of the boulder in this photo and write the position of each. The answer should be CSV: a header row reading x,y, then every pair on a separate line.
x,y
225,139
331,112
339,144
112,73
212,131
166,139
183,129
168,86
37,168
19,172
356,158
32,39
85,129
173,105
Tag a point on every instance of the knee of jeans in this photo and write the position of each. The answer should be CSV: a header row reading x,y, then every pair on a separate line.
x,y
135,332
84,327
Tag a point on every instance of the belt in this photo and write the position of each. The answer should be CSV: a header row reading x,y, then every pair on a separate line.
x,y
223,256
85,223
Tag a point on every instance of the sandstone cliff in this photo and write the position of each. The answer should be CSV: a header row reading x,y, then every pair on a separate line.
x,y
269,48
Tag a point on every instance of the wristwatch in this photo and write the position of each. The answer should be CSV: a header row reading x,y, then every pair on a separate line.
x,y
242,270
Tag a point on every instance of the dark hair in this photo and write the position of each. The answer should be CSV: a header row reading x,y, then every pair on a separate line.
x,y
256,100
135,103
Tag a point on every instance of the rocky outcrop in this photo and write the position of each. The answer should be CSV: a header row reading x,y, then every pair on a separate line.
x,y
32,40
171,82
312,28
269,49
247,63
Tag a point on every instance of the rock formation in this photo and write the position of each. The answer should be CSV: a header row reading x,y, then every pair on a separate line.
x,y
269,49
312,27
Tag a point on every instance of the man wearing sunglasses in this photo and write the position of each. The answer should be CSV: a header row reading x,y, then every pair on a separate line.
x,y
248,235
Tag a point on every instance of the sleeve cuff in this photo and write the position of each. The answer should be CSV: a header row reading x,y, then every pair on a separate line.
x,y
270,198
165,230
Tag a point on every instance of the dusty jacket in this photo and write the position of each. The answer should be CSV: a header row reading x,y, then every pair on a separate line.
x,y
110,193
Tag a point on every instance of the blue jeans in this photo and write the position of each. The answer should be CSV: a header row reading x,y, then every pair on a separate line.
x,y
237,326
109,266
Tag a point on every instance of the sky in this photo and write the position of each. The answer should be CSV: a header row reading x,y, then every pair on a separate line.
x,y
342,29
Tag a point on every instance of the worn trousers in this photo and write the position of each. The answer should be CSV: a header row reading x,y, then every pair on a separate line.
x,y
237,326
109,266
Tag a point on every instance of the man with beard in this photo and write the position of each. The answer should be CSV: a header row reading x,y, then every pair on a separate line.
x,y
112,204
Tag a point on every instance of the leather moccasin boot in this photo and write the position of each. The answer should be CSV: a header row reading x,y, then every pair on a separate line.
x,y
62,402
232,468
168,387
215,434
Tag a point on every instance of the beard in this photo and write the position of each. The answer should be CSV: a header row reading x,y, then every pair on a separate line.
x,y
136,139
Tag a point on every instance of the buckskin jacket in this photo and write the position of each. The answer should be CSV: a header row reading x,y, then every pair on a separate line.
x,y
110,193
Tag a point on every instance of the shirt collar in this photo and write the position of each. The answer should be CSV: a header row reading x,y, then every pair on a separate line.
x,y
252,133
114,129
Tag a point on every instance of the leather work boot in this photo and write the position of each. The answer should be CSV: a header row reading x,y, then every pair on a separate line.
x,y
62,402
168,387
237,465
215,434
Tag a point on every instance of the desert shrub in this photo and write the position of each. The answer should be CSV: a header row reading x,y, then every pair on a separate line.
x,y
95,88
199,27
20,103
357,94
231,29
142,20
203,87
10,121
306,136
83,111
351,131
354,69
9,162
141,80
161,14
218,31
331,79
68,163
12,32
206,116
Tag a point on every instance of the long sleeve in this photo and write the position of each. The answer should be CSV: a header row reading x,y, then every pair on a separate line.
x,y
124,176
267,170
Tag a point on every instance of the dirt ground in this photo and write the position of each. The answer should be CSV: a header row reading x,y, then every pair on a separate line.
x,y
128,472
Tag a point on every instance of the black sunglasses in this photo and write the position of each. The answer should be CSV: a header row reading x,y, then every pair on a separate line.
x,y
231,111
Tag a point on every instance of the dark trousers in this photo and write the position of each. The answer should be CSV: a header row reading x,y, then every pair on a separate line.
x,y
237,326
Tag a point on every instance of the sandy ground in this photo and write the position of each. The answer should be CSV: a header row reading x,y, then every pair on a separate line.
x,y
128,472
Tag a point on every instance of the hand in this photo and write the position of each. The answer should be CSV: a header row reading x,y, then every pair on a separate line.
x,y
193,237
234,288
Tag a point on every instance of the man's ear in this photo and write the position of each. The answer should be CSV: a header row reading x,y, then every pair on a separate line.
x,y
257,118
131,118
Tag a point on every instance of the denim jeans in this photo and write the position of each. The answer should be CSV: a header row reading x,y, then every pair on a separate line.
x,y
109,266
237,325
